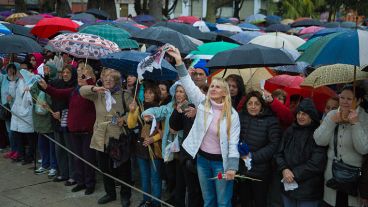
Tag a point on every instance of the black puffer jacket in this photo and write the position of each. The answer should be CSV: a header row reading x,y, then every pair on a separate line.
x,y
262,133
363,182
299,153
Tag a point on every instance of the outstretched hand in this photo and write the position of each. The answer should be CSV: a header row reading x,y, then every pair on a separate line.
x,y
175,53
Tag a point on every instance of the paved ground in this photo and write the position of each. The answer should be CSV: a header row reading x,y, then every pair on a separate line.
x,y
19,187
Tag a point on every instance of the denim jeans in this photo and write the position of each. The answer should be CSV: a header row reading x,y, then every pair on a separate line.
x,y
13,145
150,178
290,202
47,151
215,192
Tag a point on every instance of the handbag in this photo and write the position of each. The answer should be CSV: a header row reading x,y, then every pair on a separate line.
x,y
345,177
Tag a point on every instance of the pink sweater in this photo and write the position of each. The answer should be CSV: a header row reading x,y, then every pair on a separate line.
x,y
211,142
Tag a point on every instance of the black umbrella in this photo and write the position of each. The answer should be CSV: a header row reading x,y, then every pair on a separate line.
x,y
188,30
84,17
306,23
278,28
19,30
101,14
18,44
162,35
250,56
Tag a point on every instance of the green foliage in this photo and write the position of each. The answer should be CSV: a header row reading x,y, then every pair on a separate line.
x,y
300,8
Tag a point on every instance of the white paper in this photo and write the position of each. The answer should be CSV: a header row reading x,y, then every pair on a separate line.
x,y
248,163
40,70
262,84
290,186
153,126
109,100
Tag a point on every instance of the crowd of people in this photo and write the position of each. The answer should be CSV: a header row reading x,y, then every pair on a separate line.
x,y
212,142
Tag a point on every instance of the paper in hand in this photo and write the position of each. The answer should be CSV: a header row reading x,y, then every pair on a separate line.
x,y
290,186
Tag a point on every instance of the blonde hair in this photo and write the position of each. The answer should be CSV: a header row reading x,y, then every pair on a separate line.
x,y
88,70
226,109
115,75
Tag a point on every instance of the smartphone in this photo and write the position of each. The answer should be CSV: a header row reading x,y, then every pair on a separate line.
x,y
184,106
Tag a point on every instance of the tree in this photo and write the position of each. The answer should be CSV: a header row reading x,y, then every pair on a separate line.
x,y
63,8
212,6
47,6
300,8
20,6
238,5
106,5
155,9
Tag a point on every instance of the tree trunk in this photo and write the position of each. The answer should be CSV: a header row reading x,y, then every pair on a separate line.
x,y
110,7
155,9
212,6
62,8
165,10
145,10
20,6
137,7
48,6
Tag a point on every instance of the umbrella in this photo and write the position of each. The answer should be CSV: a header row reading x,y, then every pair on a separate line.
x,y
130,27
83,45
147,20
248,26
327,31
48,27
291,84
14,17
278,40
101,14
4,30
162,35
273,19
84,17
246,36
19,30
250,55
188,19
256,18
306,36
251,77
114,34
194,40
189,30
343,47
347,24
299,67
228,27
307,44
124,20
127,61
311,29
6,13
331,24
29,20
18,44
278,28
287,21
202,26
306,23
333,74
208,50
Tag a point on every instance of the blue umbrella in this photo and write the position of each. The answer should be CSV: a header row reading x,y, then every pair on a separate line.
x,y
127,61
273,19
256,18
246,37
4,30
223,20
278,28
299,67
331,24
211,26
248,26
327,31
348,24
344,47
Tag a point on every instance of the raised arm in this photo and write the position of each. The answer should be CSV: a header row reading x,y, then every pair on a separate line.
x,y
325,132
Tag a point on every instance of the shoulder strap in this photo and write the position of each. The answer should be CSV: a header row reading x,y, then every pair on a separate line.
x,y
123,101
335,139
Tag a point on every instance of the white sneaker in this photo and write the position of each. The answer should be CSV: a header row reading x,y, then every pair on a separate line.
x,y
39,161
40,170
52,172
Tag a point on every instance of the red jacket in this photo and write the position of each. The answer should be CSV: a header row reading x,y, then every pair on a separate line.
x,y
81,114
283,113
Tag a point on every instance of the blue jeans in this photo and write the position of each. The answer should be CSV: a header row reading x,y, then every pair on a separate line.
x,y
290,202
13,145
47,151
215,192
150,178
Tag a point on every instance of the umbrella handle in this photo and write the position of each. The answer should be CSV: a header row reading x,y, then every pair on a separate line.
x,y
136,89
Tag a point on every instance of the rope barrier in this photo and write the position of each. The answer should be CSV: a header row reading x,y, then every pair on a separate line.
x,y
90,164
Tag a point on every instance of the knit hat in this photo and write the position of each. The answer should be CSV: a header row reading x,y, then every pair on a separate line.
x,y
202,65
53,70
307,106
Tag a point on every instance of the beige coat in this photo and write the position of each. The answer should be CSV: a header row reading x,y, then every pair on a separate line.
x,y
103,129
352,145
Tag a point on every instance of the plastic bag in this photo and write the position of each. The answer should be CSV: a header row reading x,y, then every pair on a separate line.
x,y
175,146
39,109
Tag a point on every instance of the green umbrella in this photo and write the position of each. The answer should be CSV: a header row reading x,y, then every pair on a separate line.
x,y
307,44
208,50
114,34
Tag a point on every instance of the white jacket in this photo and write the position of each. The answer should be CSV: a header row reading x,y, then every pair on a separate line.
x,y
20,109
229,149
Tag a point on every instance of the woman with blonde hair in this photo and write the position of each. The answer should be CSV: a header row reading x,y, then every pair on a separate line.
x,y
213,138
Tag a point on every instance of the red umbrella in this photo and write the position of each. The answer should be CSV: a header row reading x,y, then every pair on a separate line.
x,y
188,19
48,27
291,84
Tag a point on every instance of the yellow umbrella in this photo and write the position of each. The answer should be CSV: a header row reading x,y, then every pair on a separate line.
x,y
251,76
287,21
333,74
278,40
14,17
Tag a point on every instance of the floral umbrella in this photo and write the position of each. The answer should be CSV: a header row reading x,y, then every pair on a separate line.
x,y
83,45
